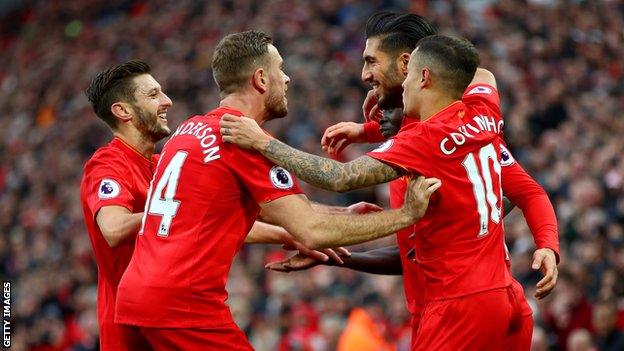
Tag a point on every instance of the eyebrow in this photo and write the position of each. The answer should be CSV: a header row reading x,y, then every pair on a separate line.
x,y
152,90
369,58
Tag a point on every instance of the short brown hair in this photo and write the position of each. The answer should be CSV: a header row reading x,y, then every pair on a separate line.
x,y
112,85
453,60
236,57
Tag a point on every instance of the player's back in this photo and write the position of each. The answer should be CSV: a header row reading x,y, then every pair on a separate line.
x,y
197,215
459,241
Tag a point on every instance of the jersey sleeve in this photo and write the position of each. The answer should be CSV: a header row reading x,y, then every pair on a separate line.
x,y
482,93
265,180
372,132
107,183
521,189
405,150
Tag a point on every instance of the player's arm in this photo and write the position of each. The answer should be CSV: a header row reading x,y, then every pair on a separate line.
x,y
357,208
264,233
483,76
318,171
385,260
117,224
540,216
315,230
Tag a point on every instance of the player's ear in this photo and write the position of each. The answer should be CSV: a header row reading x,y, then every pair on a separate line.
x,y
259,80
425,77
402,62
122,111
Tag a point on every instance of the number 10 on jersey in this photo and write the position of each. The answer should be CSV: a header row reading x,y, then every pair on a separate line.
x,y
482,186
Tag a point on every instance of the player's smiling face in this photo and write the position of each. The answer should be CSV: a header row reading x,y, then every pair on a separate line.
x,y
150,108
276,102
381,71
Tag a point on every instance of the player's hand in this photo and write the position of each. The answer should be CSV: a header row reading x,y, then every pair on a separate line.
x,y
297,262
301,261
243,131
545,261
322,255
341,135
370,109
363,207
417,196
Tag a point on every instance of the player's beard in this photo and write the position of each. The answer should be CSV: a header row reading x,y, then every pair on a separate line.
x,y
392,96
275,105
149,127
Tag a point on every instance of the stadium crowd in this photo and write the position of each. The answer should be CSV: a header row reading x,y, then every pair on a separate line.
x,y
560,70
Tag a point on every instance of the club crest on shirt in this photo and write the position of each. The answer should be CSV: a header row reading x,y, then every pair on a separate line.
x,y
385,146
108,189
480,90
506,158
280,178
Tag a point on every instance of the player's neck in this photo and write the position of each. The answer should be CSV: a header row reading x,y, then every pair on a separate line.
x,y
137,141
436,103
249,105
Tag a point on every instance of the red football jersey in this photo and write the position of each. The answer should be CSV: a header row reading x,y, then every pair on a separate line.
x,y
116,175
459,241
412,280
203,201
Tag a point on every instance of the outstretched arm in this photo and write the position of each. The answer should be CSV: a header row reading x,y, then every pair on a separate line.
x,y
264,233
385,260
315,230
318,171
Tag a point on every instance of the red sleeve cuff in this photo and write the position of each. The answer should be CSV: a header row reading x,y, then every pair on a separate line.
x,y
372,132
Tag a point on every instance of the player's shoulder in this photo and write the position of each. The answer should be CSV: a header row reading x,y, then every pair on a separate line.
x,y
411,128
480,89
480,95
107,156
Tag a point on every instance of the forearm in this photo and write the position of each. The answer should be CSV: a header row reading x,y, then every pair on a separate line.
x,y
327,230
385,260
536,208
116,229
264,233
327,209
327,173
540,217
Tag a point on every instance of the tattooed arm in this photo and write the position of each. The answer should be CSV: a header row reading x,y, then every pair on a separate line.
x,y
318,171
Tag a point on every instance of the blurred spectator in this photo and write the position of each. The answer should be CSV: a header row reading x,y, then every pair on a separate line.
x,y
580,340
604,318
539,342
559,67
366,328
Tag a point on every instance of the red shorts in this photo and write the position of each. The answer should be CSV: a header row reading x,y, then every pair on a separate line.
x,y
228,337
479,322
116,337
521,328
